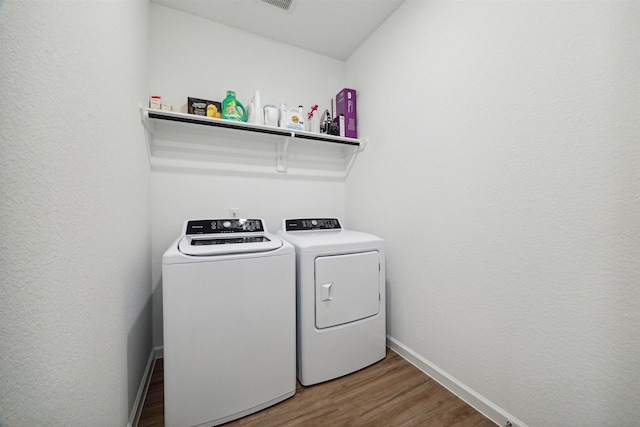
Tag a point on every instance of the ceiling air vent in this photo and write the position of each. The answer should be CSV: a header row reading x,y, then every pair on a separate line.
x,y
280,4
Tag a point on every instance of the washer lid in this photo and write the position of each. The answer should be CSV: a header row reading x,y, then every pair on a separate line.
x,y
226,236
212,244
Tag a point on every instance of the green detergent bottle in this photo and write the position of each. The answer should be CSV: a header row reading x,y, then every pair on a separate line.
x,y
232,109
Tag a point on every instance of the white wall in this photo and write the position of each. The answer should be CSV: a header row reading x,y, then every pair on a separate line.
x,y
191,56
503,174
75,312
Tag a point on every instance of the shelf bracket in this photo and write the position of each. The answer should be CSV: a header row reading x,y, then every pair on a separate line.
x,y
283,148
354,154
148,132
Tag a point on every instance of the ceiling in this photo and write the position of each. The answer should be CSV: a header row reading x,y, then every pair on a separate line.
x,y
334,28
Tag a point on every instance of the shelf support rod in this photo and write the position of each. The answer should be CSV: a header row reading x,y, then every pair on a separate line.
x,y
353,155
283,148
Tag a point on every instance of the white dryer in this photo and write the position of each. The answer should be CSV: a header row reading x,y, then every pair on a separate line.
x,y
229,322
340,284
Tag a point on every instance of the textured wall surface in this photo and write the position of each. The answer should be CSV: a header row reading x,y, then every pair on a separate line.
x,y
504,153
75,318
244,63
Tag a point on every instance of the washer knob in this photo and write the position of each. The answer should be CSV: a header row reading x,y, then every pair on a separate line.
x,y
314,222
226,224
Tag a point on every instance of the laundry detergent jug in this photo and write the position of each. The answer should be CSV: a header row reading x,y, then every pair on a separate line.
x,y
232,109
291,118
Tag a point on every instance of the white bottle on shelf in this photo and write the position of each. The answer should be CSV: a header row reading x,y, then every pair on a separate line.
x,y
255,112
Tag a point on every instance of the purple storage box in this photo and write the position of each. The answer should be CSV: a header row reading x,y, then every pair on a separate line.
x,y
346,106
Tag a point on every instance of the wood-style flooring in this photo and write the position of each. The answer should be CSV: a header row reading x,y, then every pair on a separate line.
x,y
389,393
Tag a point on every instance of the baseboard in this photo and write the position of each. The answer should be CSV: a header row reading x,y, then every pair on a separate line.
x,y
134,418
474,399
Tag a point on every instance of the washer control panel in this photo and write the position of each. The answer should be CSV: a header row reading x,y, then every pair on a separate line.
x,y
312,224
217,226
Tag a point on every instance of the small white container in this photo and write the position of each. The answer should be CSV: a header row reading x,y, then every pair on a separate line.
x,y
155,101
271,115
314,124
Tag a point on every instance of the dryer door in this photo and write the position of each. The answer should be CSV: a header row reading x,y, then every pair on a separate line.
x,y
347,288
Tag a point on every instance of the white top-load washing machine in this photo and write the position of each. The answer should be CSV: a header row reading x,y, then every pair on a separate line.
x,y
229,322
340,284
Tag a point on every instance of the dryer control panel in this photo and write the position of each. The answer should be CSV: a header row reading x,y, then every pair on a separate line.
x,y
312,224
216,226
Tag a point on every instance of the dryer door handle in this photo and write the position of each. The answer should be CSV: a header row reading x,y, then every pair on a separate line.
x,y
326,292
